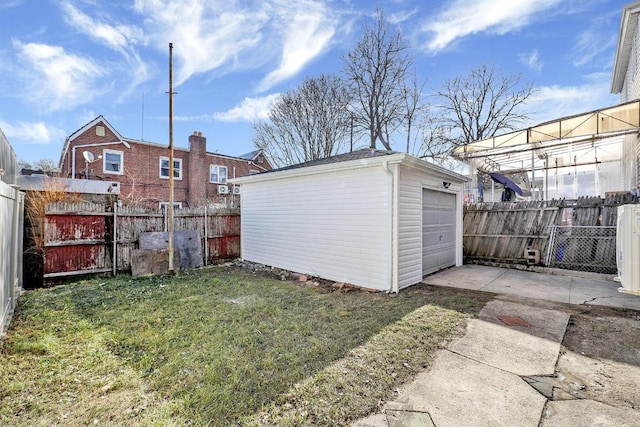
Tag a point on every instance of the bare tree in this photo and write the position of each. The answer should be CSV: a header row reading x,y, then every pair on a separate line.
x,y
23,164
46,165
377,70
482,104
307,123
414,110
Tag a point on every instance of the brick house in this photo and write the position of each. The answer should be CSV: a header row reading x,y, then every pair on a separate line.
x,y
97,151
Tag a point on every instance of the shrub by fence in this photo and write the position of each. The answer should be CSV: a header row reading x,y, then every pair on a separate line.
x,y
577,235
86,238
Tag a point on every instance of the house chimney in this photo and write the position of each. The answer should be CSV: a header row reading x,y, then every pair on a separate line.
x,y
198,169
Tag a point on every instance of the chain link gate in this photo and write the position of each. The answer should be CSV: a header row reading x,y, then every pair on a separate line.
x,y
582,248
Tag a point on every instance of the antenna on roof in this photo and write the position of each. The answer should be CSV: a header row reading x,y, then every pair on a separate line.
x,y
142,119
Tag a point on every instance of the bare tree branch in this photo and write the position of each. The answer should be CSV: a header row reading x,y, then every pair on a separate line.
x,y
307,123
482,104
377,70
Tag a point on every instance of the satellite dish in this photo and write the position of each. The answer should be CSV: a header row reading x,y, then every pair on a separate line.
x,y
88,156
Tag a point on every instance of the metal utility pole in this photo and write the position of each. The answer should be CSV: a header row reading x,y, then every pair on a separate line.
x,y
170,207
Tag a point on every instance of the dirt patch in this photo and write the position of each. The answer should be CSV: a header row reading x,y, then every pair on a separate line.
x,y
615,338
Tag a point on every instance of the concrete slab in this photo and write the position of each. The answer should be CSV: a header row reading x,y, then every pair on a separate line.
x,y
572,288
544,323
599,292
473,277
376,420
460,392
580,413
507,348
532,285
604,380
408,419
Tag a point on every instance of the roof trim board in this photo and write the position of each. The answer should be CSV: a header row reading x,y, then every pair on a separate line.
x,y
628,26
314,169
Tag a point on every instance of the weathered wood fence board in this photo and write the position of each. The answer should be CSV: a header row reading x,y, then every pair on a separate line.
x,y
501,232
81,238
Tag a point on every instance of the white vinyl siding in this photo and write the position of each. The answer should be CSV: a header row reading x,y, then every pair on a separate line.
x,y
333,225
631,83
357,222
409,228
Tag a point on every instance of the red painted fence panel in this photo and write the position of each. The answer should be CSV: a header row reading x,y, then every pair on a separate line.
x,y
79,238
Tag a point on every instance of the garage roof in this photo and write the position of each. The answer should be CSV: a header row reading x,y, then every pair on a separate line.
x,y
351,160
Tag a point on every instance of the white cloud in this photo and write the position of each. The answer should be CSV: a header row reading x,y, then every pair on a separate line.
x,y
222,37
553,102
117,37
308,32
10,4
400,17
249,110
531,60
591,43
206,35
57,80
462,18
32,132
120,38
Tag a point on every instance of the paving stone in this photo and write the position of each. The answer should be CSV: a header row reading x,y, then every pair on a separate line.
x,y
460,392
376,420
409,419
507,348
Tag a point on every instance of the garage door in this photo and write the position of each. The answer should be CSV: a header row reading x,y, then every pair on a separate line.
x,y
438,230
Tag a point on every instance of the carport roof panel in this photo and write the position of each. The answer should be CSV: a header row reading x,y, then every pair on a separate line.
x,y
608,121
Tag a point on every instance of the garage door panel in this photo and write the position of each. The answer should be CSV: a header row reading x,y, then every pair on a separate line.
x,y
430,239
438,231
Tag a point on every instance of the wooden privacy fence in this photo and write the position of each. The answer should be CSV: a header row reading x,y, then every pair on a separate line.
x,y
86,238
577,235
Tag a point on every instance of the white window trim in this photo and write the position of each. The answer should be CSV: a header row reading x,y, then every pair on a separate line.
x,y
179,177
226,174
106,151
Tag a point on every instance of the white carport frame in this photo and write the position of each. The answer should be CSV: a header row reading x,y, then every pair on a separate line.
x,y
356,221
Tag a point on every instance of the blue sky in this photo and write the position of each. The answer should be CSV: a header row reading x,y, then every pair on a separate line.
x,y
65,62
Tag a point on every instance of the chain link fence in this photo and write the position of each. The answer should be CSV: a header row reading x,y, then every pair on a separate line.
x,y
582,248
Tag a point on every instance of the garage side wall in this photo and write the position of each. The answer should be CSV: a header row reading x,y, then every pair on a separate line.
x,y
332,225
411,183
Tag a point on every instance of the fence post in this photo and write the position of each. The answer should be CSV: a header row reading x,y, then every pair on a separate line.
x,y
15,232
206,238
115,239
552,239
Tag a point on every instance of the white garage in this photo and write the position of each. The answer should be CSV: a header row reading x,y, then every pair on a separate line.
x,y
370,218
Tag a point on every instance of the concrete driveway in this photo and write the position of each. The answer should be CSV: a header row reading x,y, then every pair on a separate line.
x,y
551,285
549,350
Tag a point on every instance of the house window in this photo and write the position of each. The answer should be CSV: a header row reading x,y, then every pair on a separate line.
x,y
164,205
260,159
218,174
164,168
112,162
